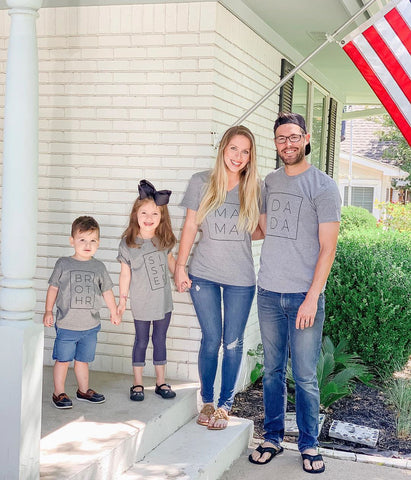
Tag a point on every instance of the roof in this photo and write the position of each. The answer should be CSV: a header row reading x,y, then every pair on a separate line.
x,y
365,141
296,29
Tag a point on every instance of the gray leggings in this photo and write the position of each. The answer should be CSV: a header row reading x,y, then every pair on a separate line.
x,y
158,337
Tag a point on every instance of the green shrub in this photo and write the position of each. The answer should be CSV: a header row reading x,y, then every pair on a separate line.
x,y
355,218
398,393
258,370
337,372
395,216
369,296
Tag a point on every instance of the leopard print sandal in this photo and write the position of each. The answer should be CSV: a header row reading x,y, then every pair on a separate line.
x,y
207,411
219,414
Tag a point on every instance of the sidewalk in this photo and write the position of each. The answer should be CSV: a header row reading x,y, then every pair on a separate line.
x,y
288,466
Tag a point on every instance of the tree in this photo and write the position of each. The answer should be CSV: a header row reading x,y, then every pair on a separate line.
x,y
398,152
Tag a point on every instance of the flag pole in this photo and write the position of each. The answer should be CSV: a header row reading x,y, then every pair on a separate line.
x,y
329,39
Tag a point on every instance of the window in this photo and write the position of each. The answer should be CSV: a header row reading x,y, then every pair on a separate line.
x,y
300,96
360,197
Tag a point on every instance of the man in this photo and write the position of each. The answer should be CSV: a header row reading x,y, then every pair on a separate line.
x,y
301,221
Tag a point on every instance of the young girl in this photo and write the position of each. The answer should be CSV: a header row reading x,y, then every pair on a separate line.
x,y
225,205
144,253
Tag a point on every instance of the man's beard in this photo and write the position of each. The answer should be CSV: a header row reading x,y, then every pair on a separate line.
x,y
300,157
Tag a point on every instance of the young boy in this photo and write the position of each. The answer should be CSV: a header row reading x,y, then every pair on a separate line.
x,y
77,286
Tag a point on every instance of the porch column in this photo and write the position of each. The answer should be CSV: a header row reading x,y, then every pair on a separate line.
x,y
21,340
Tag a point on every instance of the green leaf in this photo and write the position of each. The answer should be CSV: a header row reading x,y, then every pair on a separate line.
x,y
257,372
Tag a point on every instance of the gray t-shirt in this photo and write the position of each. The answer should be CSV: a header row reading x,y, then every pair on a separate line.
x,y
150,289
295,206
223,253
79,299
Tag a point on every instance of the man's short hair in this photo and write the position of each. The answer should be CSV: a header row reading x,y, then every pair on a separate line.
x,y
297,119
84,224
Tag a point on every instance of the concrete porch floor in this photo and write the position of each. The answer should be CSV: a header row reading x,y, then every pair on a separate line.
x,y
93,441
116,408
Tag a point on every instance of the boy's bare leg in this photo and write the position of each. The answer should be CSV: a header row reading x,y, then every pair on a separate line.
x,y
59,376
82,375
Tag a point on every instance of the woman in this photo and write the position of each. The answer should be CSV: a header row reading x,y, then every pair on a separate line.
x,y
224,205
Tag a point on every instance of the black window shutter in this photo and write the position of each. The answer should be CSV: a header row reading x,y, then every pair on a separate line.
x,y
286,93
332,129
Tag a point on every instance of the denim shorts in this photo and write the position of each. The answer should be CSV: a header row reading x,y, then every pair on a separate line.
x,y
77,345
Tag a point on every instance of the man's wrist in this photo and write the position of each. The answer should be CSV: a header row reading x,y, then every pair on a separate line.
x,y
313,295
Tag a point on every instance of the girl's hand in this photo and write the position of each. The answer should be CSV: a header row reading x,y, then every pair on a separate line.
x,y
181,279
121,307
186,285
48,320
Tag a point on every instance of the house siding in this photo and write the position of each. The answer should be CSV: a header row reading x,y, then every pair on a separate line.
x,y
132,92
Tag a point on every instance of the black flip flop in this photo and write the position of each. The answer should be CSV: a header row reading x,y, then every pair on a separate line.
x,y
311,459
260,449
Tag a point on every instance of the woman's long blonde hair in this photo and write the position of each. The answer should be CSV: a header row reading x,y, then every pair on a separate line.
x,y
164,236
249,186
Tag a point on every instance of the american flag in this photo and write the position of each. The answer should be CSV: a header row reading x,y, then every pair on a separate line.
x,y
381,50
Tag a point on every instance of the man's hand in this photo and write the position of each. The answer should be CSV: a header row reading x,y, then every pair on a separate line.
x,y
306,313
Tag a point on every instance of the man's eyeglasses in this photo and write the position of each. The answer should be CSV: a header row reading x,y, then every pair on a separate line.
x,y
293,138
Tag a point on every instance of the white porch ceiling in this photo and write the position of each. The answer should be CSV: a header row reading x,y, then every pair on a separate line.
x,y
295,28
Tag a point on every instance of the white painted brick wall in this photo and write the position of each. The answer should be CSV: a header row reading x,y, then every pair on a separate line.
x,y
132,92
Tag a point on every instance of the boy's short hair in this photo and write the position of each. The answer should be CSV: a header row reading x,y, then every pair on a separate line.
x,y
84,224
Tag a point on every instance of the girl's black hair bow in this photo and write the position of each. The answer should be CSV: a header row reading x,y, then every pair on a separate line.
x,y
147,190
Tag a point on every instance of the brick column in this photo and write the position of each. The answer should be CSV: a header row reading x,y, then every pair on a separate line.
x,y
21,340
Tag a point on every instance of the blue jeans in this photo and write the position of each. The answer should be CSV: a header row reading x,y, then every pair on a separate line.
x,y
206,296
277,313
77,345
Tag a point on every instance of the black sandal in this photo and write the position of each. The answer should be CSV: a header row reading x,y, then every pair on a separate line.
x,y
165,392
136,396
273,451
311,459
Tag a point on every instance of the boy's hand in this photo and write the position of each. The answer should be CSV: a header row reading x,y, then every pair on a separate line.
x,y
48,320
115,318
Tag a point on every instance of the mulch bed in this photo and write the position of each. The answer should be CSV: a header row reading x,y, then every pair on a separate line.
x,y
366,406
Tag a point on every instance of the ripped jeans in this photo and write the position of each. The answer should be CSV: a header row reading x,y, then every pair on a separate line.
x,y
206,296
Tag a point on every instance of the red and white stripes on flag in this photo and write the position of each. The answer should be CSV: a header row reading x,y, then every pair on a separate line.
x,y
381,50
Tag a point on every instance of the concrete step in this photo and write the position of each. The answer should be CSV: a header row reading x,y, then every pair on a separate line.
x,y
100,442
194,453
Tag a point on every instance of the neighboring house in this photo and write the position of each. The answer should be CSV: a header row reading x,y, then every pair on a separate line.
x,y
361,161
